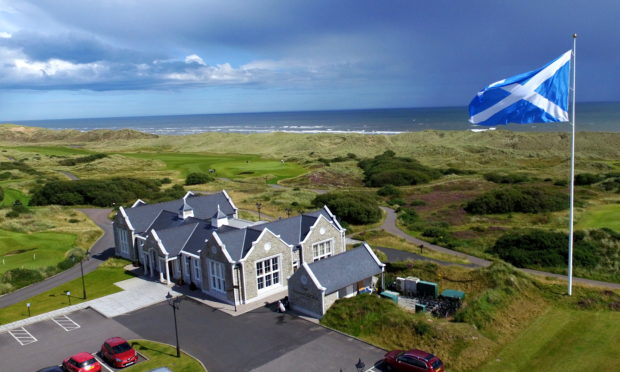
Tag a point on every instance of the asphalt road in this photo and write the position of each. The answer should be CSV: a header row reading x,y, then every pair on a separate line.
x,y
55,343
100,251
261,340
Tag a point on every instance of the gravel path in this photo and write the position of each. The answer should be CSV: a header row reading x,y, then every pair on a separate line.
x,y
71,176
100,251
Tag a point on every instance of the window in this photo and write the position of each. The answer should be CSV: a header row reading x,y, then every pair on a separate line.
x,y
322,250
216,273
123,241
267,273
186,266
197,275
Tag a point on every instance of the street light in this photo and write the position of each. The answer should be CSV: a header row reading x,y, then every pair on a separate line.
x,y
28,306
87,255
258,205
174,302
360,365
69,297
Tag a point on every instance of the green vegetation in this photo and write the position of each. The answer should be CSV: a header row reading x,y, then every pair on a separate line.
x,y
13,195
197,178
518,199
83,159
506,178
563,340
595,252
103,193
160,355
229,166
53,150
357,209
18,165
33,250
587,179
605,215
388,169
98,283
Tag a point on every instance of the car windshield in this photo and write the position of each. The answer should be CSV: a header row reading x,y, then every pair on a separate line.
x,y
436,364
121,348
87,363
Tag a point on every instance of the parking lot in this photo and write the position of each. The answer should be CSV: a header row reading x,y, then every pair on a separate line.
x,y
49,342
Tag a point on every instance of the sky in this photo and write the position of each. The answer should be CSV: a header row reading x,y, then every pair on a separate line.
x,y
87,58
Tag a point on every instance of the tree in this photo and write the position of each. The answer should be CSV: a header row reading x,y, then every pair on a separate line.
x,y
197,178
358,209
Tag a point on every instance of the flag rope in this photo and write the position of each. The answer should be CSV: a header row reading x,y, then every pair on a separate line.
x,y
572,174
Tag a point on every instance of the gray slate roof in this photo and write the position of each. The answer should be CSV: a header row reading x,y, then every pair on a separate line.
x,y
189,237
204,206
292,230
344,269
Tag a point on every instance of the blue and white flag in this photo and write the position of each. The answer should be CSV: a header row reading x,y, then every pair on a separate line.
x,y
539,96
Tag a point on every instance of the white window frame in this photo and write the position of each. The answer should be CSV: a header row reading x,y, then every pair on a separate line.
x,y
323,249
197,271
217,276
265,273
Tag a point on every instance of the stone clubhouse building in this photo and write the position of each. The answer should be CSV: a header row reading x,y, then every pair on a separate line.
x,y
200,240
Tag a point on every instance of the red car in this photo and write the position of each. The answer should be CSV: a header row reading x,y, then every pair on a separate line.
x,y
118,352
82,362
413,360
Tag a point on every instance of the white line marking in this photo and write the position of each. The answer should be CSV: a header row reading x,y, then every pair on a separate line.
x,y
22,336
103,364
66,323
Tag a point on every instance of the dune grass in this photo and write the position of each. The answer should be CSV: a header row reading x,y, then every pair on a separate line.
x,y
229,166
607,215
99,283
52,150
33,250
563,340
162,355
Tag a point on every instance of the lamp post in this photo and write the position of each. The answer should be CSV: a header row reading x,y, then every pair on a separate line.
x,y
258,205
28,306
360,365
69,297
288,212
174,302
87,255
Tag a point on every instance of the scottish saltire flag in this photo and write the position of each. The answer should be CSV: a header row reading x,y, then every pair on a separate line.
x,y
539,96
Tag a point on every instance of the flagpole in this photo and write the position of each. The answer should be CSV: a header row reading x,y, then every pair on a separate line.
x,y
572,176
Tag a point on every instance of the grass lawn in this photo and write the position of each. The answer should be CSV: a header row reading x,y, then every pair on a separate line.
x,y
607,215
229,166
162,355
33,250
52,150
563,340
10,195
98,283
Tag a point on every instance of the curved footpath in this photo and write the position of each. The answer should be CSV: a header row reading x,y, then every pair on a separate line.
x,y
100,251
389,225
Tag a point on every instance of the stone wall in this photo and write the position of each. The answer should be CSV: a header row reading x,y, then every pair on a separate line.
x,y
315,236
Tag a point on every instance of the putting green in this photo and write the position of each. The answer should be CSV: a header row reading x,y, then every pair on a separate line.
x,y
607,215
33,251
229,166
10,195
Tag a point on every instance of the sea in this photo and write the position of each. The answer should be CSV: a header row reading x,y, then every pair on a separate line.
x,y
590,117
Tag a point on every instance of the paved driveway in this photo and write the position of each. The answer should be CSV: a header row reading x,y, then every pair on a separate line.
x,y
48,342
260,340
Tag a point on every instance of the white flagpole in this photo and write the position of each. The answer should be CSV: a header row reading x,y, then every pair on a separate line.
x,y
572,177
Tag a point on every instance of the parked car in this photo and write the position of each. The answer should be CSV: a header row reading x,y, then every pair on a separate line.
x,y
52,369
82,362
118,352
413,360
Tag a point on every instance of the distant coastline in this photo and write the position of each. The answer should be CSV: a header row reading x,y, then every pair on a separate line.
x,y
591,117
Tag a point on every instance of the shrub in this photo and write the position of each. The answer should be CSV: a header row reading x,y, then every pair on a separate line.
x,y
5,176
505,178
21,277
540,248
358,209
561,183
197,178
390,191
523,199
387,169
1,194
83,159
585,179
